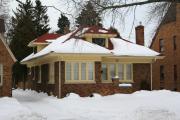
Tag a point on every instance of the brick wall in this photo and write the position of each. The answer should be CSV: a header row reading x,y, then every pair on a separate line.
x,y
141,72
172,57
7,62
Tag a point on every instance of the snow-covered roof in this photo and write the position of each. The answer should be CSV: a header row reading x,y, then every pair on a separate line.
x,y
65,44
68,44
125,48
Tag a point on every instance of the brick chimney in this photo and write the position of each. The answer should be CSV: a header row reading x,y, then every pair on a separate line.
x,y
140,34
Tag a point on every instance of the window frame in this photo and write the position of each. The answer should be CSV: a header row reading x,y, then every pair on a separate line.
x,y
174,43
1,74
161,45
80,80
125,80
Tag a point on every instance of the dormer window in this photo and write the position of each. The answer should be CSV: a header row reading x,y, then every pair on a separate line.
x,y
99,41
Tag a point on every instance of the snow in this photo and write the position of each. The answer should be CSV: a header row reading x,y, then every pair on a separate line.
x,y
28,57
102,31
125,48
141,105
125,85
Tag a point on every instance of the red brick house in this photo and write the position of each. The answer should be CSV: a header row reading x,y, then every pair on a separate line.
x,y
90,60
7,60
166,72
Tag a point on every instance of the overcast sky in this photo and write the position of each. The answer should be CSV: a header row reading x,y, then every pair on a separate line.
x,y
123,28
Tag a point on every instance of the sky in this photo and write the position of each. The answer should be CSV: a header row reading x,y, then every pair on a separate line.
x,y
123,27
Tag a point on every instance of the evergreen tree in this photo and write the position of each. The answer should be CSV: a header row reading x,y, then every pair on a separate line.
x,y
114,30
63,23
88,16
41,19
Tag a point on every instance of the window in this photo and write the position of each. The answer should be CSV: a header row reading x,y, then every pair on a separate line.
x,y
161,45
51,73
174,43
112,71
83,71
1,74
104,72
123,71
77,71
161,72
39,74
175,72
91,71
99,41
128,71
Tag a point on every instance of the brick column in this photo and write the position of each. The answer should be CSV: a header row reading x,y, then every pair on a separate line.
x,y
98,72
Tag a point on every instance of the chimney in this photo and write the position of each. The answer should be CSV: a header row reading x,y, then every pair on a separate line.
x,y
140,34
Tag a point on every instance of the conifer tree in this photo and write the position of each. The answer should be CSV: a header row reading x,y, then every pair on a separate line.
x,y
88,16
41,19
63,23
22,32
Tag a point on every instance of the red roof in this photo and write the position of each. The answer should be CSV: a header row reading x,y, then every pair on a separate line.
x,y
47,36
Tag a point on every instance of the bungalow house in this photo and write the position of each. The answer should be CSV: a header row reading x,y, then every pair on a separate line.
x,y
7,60
90,60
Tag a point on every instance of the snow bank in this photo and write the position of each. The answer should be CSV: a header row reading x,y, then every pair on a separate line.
x,y
141,105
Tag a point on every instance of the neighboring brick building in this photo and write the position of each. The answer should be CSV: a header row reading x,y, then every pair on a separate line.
x,y
166,72
6,62
90,60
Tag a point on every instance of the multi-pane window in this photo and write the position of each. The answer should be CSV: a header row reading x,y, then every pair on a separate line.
x,y
175,72
122,71
79,71
174,43
161,45
1,74
99,41
161,72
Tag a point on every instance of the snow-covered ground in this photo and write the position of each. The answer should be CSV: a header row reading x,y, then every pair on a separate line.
x,y
141,105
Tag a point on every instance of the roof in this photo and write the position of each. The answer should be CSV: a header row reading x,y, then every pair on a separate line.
x,y
170,16
126,48
72,45
46,37
69,44
8,49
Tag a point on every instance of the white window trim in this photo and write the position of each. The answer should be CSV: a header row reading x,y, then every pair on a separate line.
x,y
72,73
1,73
109,79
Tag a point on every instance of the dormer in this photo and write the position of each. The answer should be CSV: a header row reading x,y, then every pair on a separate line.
x,y
96,35
42,41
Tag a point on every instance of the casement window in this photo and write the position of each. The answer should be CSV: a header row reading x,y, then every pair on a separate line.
x,y
39,74
79,71
175,72
161,45
99,41
161,72
1,74
174,43
123,71
51,73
